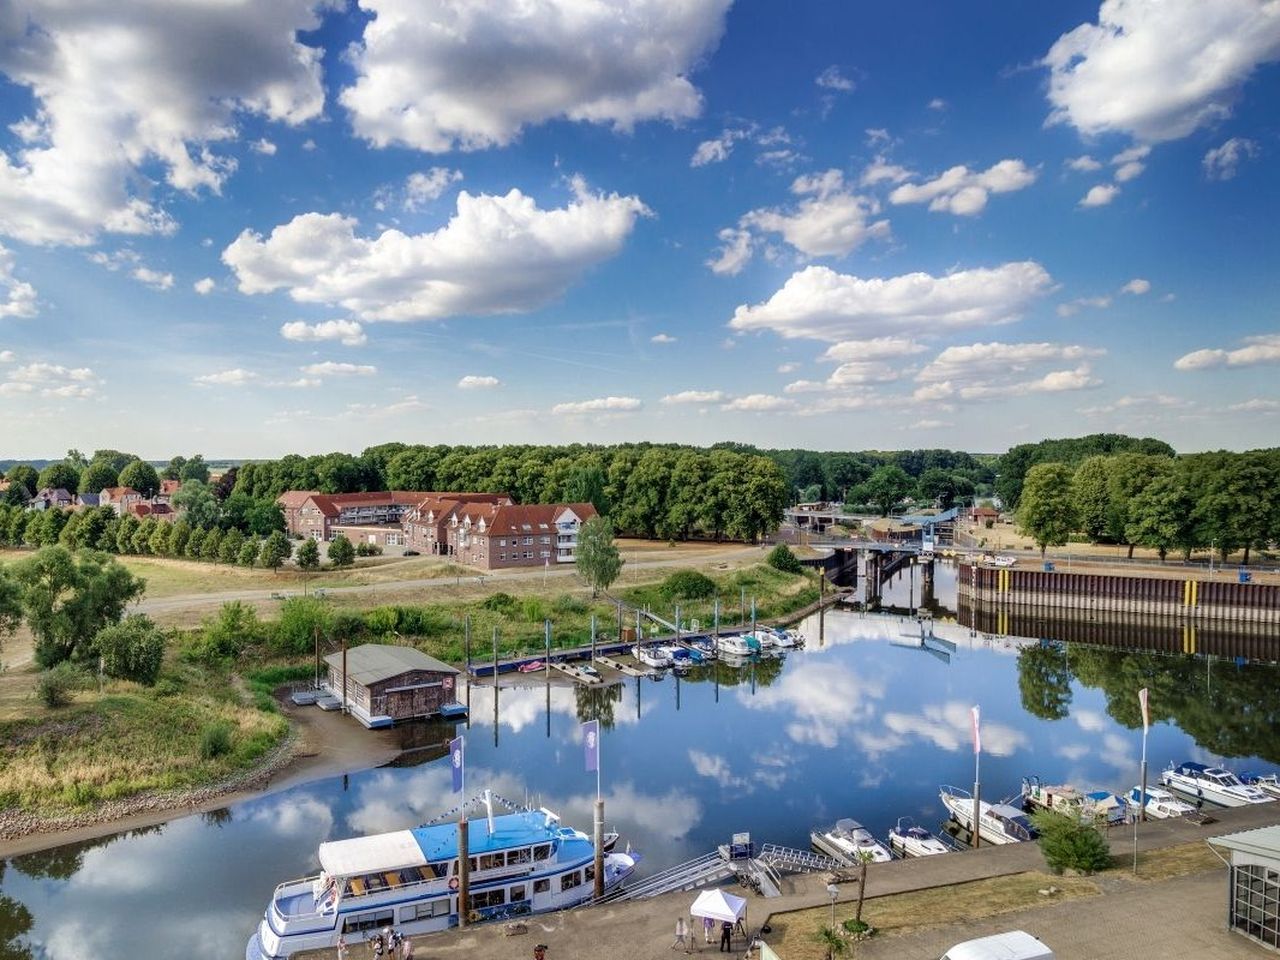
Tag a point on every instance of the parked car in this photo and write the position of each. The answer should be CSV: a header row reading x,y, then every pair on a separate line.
x,y
410,553
1012,945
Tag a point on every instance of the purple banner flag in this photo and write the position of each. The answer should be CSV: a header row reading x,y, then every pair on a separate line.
x,y
455,761
591,744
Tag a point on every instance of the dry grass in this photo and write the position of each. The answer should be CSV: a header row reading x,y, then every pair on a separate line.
x,y
794,935
1169,862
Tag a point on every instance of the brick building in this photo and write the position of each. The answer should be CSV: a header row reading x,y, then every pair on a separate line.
x,y
388,681
498,536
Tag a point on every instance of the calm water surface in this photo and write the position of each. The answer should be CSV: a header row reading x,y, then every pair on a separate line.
x,y
854,725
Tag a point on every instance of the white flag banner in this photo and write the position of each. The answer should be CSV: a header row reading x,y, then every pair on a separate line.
x,y
1146,716
977,731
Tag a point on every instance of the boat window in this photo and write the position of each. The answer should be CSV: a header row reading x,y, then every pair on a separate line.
x,y
441,908
542,851
542,886
368,921
489,861
590,873
519,856
425,911
472,862
488,898
517,893
453,868
570,880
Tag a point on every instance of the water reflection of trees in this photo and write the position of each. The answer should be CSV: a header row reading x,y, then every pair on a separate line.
x,y
597,703
15,922
1229,708
64,862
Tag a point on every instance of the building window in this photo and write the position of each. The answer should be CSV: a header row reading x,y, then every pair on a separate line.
x,y
546,539
528,541
502,556
528,554
546,554
502,543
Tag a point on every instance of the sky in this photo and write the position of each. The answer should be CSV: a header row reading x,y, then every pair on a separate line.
x,y
249,228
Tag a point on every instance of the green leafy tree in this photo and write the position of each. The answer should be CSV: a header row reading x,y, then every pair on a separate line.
x,y
941,486
76,459
341,552
132,649
1091,498
597,557
308,556
174,470
226,636
67,598
301,619
1070,842
1046,512
1044,681
211,548
229,549
178,538
194,469
59,475
141,539
126,527
195,543
196,504
116,458
141,476
276,549
831,941
161,536
23,481
887,487
10,606
248,555
265,517
781,558
1160,516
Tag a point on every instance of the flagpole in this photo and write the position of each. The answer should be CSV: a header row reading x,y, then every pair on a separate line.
x,y
1142,796
977,780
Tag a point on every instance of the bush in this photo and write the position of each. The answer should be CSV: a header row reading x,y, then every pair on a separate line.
x,y
300,619
225,637
688,585
215,741
341,552
781,558
132,649
533,609
567,603
1071,843
499,602
368,550
56,685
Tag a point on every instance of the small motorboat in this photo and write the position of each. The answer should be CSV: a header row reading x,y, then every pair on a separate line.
x,y
1063,798
1268,783
1105,807
533,666
907,839
997,822
743,645
1195,781
1161,804
654,657
850,843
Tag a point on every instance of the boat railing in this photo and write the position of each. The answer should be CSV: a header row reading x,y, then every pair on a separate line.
x,y
958,792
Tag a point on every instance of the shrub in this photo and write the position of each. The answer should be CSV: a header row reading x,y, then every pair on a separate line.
x,y
781,558
499,602
56,685
567,603
688,585
341,552
132,649
235,628
1071,843
215,741
534,610
368,550
300,619
382,621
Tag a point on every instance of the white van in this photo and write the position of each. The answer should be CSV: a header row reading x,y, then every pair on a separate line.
x,y
1014,945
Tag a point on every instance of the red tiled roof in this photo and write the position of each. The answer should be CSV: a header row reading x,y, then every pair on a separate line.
x,y
170,486
292,499
539,517
115,493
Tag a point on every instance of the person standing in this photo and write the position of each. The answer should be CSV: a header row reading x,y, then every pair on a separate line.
x,y
680,940
342,947
406,949
707,926
726,937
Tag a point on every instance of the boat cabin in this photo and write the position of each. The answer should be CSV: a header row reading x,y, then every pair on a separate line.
x,y
1013,822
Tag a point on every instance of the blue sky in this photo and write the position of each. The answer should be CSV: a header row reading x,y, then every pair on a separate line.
x,y
255,228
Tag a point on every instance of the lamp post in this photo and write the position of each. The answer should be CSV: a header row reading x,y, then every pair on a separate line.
x,y
834,892
1213,544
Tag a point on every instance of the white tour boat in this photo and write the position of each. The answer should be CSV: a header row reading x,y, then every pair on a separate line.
x,y
909,840
654,657
1199,782
520,863
850,842
997,822
1161,804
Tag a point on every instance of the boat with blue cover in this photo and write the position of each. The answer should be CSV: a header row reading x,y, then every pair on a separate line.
x,y
520,863
1199,782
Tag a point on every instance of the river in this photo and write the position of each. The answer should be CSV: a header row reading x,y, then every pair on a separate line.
x,y
856,724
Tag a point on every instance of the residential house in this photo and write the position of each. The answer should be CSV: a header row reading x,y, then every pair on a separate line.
x,y
55,498
290,502
499,536
87,501
119,498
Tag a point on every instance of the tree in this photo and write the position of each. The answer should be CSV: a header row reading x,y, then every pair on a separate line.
x,y
831,941
940,486
194,469
248,555
197,504
887,487
597,556
195,543
132,649
301,619
1091,498
212,545
341,552
10,606
225,637
174,470
1045,512
229,549
1069,842
59,475
25,478
275,551
308,558
141,476
126,527
97,476
781,558
265,517
1160,516
67,598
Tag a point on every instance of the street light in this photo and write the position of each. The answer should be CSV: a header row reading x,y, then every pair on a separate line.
x,y
1212,545
834,891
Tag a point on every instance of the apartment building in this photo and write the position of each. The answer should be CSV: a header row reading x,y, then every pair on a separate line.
x,y
499,536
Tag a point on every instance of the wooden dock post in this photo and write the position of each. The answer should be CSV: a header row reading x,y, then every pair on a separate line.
x,y
598,837
464,867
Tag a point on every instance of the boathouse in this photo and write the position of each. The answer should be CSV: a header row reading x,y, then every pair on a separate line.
x,y
386,683
1253,883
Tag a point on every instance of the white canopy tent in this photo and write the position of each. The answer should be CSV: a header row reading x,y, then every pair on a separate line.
x,y
719,905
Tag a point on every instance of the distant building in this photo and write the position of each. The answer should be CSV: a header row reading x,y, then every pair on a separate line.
x,y
388,681
1253,883
119,498
87,500
497,536
982,514
51,498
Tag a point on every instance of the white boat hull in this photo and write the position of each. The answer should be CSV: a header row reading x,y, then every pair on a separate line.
x,y
848,853
989,829
911,847
1194,789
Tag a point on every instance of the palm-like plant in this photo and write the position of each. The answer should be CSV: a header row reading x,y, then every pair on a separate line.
x,y
864,857
831,940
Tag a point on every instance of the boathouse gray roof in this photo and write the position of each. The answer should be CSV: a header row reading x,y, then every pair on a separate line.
x,y
1264,841
372,663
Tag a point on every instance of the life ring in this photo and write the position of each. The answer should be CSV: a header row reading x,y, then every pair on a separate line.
x,y
453,883
473,916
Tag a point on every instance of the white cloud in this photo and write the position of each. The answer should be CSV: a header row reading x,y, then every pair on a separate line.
x,y
832,79
964,192
7,356
662,338
981,370
716,150
948,726
1256,405
1159,69
1138,403
155,279
1257,350
695,396
877,348
599,405
19,297
937,103
805,386
1084,164
1126,172
473,75
735,252
880,170
1072,307
1100,195
204,286
789,367
1221,163
927,423
819,303
331,368
758,403
473,382
236,377
117,91
264,147
1128,163
347,332
497,254
424,186
1137,286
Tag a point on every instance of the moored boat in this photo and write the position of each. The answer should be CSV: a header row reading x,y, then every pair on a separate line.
x,y
653,657
1063,798
739,645
997,822
519,864
1196,781
908,839
850,843
1268,783
533,666
1161,804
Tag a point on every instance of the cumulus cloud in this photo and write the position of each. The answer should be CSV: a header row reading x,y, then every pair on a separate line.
x,y
473,382
1159,69
1137,286
880,170
1257,350
789,367
497,254
473,75
19,297
877,348
236,377
7,356
694,396
1100,195
981,370
51,380
937,103
1072,307
965,192
832,79
204,286
155,279
598,405
1084,164
347,332
758,403
1256,405
264,147
716,150
93,71
1137,403
821,304
331,368
662,338
735,252
1221,163
424,186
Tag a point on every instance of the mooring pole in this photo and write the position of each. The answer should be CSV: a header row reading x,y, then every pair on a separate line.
x,y
464,868
546,631
317,639
593,638
344,672
598,889
466,639
677,623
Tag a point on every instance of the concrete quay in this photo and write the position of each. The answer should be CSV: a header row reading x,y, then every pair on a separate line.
x,y
1180,917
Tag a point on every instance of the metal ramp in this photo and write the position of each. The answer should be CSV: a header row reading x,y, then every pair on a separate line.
x,y
684,876
797,861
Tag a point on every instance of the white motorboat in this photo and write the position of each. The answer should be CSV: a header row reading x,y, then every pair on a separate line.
x,y
743,645
1105,807
654,657
1196,781
997,822
783,639
850,843
1063,798
907,839
519,864
1161,804
1268,783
